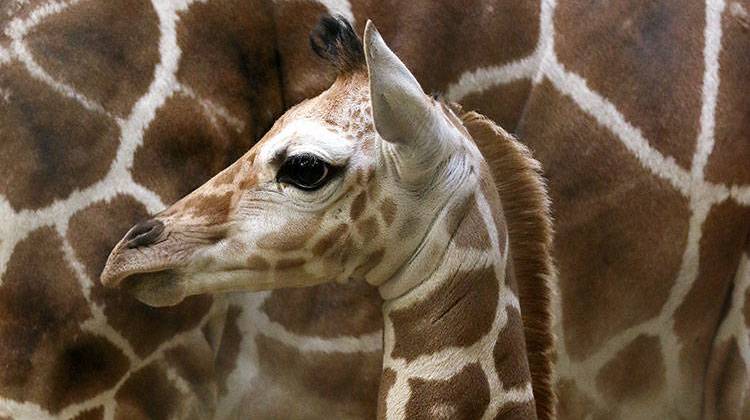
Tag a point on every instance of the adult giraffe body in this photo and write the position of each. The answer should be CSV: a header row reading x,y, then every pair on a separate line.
x,y
635,112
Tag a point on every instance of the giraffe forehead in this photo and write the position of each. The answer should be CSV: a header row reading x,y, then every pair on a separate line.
x,y
309,136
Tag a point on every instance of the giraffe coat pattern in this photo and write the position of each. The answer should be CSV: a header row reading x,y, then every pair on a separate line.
x,y
175,123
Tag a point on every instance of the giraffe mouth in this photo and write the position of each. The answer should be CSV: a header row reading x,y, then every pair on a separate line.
x,y
158,288
147,265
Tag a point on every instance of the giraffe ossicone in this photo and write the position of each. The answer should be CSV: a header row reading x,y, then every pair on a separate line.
x,y
375,180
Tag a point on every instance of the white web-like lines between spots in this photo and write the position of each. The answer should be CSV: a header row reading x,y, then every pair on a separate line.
x,y
17,225
702,194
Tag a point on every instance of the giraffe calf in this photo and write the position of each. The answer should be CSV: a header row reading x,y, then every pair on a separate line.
x,y
375,180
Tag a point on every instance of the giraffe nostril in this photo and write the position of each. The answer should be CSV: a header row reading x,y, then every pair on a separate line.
x,y
144,233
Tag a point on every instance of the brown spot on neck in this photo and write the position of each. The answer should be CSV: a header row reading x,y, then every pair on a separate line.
x,y
636,371
458,313
510,353
472,232
464,396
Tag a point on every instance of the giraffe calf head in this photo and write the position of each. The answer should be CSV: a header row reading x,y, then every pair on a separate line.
x,y
344,185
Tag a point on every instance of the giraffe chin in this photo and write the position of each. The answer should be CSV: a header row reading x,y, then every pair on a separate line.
x,y
160,288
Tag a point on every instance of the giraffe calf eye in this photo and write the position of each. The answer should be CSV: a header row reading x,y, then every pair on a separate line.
x,y
306,172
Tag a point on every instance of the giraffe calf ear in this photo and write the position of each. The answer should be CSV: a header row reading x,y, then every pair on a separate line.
x,y
399,105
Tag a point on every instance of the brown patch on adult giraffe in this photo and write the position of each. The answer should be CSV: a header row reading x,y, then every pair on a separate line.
x,y
358,206
511,28
194,363
256,262
147,394
696,320
635,371
10,10
301,373
106,51
728,160
231,338
96,413
629,226
290,237
387,380
574,403
727,382
640,57
83,367
329,310
133,319
329,239
510,352
47,154
226,66
48,359
466,395
507,112
458,313
94,230
388,209
303,74
182,149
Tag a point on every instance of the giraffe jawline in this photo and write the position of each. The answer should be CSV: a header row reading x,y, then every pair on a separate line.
x,y
160,288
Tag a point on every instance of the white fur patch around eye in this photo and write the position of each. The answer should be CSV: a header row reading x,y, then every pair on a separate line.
x,y
307,136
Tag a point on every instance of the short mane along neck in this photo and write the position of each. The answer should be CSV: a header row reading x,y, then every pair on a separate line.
x,y
467,320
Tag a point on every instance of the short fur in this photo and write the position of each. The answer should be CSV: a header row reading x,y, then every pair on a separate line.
x,y
526,207
334,40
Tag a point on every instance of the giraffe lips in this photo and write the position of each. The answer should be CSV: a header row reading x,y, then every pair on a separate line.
x,y
160,288
150,272
148,276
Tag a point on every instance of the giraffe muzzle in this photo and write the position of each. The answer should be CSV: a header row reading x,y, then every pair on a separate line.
x,y
149,261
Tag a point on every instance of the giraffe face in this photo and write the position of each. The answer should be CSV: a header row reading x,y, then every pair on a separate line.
x,y
344,185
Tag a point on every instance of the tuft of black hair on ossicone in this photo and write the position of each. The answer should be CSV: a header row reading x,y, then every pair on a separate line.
x,y
334,39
